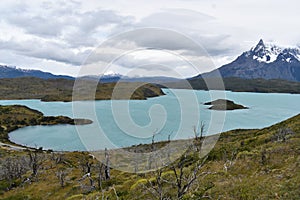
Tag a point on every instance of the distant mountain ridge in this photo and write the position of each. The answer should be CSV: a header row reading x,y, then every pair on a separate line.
x,y
263,61
14,72
110,78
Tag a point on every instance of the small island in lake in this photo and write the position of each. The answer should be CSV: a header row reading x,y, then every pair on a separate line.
x,y
224,104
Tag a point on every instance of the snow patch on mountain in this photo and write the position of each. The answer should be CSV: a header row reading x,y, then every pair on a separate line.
x,y
268,53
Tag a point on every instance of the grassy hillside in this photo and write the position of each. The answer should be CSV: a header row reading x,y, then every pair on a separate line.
x,y
62,89
244,164
243,85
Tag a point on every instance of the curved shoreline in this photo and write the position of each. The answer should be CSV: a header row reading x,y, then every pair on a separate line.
x,y
144,146
13,117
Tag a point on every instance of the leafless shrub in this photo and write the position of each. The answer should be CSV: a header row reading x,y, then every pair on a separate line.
x,y
282,135
36,159
229,159
61,174
13,168
199,131
181,175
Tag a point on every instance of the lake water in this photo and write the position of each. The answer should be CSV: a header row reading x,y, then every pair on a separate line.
x,y
123,123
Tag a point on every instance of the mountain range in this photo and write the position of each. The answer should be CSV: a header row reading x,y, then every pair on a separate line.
x,y
265,61
14,72
110,78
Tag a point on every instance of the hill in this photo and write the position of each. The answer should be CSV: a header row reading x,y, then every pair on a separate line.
x,y
62,89
240,85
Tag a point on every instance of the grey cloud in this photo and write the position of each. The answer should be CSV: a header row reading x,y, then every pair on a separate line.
x,y
159,38
53,20
91,20
48,51
130,62
103,57
172,18
154,38
203,29
215,45
42,22
36,25
57,29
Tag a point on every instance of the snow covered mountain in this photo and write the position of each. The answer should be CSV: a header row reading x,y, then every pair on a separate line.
x,y
14,72
265,61
269,53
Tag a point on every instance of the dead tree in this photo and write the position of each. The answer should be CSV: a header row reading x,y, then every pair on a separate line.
x,y
153,139
61,175
136,161
199,131
169,136
183,179
159,184
85,165
229,161
36,160
156,187
57,158
150,161
87,186
100,169
107,164
186,171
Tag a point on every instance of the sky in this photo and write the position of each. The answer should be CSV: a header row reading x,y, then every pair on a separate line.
x,y
178,38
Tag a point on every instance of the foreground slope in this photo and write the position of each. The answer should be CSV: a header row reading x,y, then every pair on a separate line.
x,y
244,164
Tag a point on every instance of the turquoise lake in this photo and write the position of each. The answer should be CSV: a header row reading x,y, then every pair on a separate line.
x,y
122,123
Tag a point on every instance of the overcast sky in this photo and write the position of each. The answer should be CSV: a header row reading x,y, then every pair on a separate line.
x,y
62,36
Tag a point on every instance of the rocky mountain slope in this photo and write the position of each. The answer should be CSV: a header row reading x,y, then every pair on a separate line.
x,y
265,61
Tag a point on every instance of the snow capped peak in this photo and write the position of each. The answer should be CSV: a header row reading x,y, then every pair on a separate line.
x,y
295,52
268,53
8,66
111,74
260,46
265,52
261,42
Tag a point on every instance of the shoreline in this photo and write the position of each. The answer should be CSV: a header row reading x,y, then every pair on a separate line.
x,y
170,88
142,145
13,117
